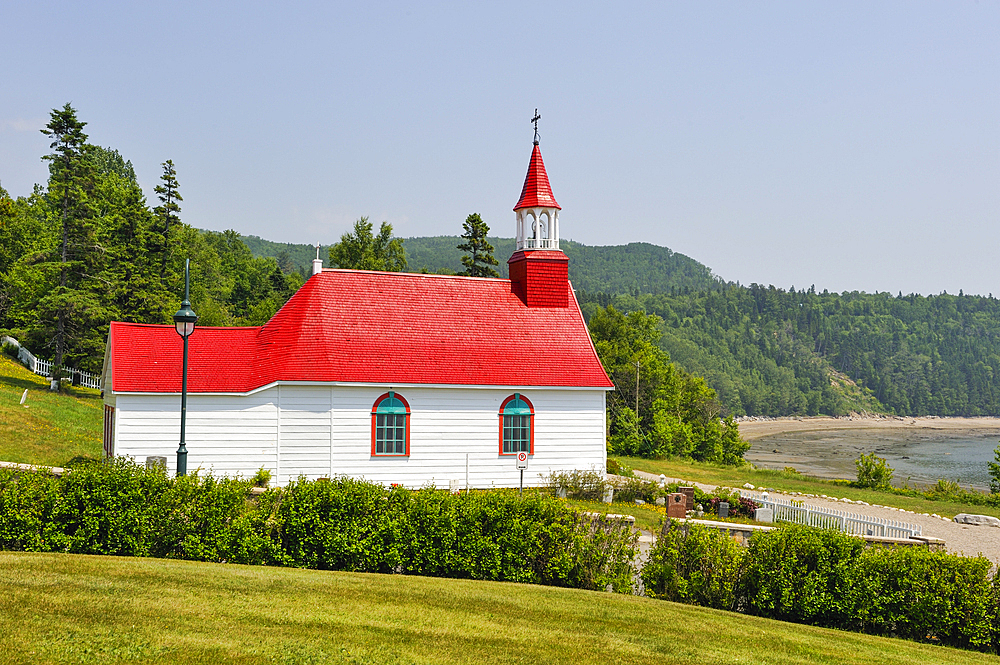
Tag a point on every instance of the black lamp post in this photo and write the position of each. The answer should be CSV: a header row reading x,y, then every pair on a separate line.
x,y
184,320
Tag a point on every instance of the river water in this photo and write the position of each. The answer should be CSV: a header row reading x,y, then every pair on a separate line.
x,y
920,458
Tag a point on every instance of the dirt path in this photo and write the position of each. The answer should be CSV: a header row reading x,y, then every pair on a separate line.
x,y
959,538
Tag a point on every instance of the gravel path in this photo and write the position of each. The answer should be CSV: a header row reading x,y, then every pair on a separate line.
x,y
959,538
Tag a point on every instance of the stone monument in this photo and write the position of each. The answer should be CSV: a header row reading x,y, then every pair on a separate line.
x,y
676,505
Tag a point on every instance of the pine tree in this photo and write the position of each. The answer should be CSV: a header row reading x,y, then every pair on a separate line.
x,y
479,260
63,308
168,208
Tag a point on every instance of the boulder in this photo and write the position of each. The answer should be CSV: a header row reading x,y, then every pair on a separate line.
x,y
977,520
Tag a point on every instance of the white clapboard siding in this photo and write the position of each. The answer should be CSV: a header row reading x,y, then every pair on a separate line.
x,y
225,434
305,432
323,431
446,424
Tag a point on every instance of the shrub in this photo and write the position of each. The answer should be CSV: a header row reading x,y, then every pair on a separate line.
x,y
80,460
117,507
192,515
994,469
917,594
738,505
873,472
693,564
586,485
827,578
802,574
262,478
629,490
615,467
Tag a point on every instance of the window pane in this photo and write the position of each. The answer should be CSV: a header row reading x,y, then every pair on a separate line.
x,y
516,433
390,429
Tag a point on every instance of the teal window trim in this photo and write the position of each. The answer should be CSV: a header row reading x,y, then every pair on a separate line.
x,y
517,426
390,426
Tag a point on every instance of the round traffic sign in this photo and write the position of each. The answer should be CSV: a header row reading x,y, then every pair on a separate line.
x,y
522,456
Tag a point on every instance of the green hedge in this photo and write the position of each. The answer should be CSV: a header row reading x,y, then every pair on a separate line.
x,y
827,578
119,508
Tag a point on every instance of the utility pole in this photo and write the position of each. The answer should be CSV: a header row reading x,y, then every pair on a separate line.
x,y
637,398
636,387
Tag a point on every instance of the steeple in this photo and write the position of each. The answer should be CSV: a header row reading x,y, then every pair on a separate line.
x,y
539,271
537,211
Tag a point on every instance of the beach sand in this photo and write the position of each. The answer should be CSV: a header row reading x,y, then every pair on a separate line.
x,y
984,426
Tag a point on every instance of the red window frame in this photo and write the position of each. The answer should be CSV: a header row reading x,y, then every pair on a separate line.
x,y
406,405
531,421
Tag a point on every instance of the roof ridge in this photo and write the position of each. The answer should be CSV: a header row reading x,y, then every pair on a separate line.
x,y
406,273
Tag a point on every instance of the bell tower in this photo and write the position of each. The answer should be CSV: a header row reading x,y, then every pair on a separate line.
x,y
537,211
539,271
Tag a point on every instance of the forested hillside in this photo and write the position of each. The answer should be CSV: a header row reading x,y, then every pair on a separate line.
x,y
768,351
634,268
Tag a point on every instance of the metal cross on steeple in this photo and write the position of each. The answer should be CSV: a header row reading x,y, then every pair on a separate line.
x,y
535,120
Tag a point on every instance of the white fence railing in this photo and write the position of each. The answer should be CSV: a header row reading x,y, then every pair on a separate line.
x,y
786,510
44,367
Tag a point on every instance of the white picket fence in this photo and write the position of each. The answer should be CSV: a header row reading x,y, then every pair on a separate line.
x,y
44,367
786,510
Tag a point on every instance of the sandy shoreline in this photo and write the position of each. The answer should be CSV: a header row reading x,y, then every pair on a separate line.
x,y
755,429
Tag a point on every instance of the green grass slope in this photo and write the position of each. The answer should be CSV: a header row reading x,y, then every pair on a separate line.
x,y
50,428
88,609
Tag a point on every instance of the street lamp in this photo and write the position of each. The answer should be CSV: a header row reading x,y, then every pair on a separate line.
x,y
184,321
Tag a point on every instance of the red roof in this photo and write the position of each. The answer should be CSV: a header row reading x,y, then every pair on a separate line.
x,y
536,191
372,327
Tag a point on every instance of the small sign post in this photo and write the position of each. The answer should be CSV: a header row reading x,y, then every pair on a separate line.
x,y
522,464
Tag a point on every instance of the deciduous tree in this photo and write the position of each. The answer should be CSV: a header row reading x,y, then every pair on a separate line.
x,y
657,409
362,250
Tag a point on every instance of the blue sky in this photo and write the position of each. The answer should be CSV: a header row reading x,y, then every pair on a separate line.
x,y
847,145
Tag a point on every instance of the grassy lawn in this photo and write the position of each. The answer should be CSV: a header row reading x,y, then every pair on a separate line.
x,y
735,477
89,609
51,428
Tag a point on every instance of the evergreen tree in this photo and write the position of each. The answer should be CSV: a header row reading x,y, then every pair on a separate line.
x,y
63,309
362,250
168,209
479,260
130,264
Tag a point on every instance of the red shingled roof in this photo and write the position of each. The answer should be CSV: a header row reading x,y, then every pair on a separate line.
x,y
372,327
536,191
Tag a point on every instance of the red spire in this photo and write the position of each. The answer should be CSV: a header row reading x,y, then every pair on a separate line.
x,y
536,191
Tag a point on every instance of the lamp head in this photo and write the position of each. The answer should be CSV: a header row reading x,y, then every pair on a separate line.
x,y
184,319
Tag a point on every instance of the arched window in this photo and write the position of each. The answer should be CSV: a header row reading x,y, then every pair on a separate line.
x,y
517,431
390,425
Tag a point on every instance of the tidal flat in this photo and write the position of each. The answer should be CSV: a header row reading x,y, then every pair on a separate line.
x,y
920,450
